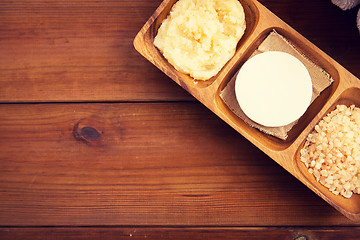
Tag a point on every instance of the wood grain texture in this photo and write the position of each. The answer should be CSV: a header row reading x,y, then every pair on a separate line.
x,y
82,50
258,233
77,51
153,164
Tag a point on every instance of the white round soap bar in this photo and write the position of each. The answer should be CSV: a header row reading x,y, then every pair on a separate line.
x,y
273,88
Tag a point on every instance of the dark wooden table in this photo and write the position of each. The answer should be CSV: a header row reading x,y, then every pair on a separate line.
x,y
97,143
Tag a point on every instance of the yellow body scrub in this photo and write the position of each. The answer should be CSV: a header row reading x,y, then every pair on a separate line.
x,y
198,37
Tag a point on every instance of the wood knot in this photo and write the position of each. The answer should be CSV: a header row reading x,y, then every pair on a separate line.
x,y
87,134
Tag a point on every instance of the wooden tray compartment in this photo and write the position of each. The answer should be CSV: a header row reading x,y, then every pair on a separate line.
x,y
154,55
349,207
273,142
260,22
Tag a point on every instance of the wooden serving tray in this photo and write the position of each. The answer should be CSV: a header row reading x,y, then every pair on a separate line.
x,y
260,22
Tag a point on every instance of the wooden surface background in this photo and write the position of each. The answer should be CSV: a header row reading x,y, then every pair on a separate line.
x,y
96,142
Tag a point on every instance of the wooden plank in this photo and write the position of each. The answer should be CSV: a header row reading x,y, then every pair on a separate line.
x,y
82,51
152,233
77,51
142,164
